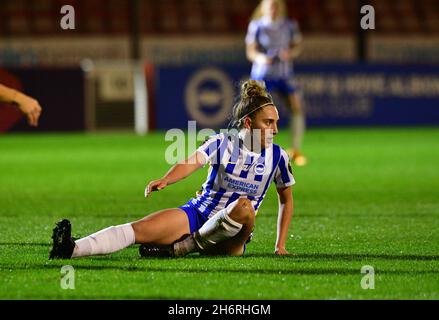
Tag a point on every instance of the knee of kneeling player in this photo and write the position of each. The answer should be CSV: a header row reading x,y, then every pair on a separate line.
x,y
243,211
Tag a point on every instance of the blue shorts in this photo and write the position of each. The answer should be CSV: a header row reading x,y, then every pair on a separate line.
x,y
197,219
283,86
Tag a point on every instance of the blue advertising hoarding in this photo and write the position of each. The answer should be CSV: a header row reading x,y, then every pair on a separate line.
x,y
334,95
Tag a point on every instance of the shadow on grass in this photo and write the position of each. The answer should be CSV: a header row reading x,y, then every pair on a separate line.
x,y
297,256
302,270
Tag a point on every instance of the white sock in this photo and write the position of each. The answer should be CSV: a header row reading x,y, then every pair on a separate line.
x,y
298,125
106,241
185,246
218,228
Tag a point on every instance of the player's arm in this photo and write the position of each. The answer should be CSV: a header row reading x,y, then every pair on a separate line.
x,y
295,46
254,55
293,51
178,172
28,105
285,214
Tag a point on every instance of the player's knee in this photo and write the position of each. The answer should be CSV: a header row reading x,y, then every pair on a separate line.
x,y
243,211
245,206
243,202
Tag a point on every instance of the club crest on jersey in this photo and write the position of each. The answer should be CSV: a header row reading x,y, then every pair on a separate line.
x,y
260,169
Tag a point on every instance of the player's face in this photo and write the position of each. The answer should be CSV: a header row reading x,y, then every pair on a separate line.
x,y
270,8
266,121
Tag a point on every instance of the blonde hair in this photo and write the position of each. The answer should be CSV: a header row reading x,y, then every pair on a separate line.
x,y
253,97
252,88
282,13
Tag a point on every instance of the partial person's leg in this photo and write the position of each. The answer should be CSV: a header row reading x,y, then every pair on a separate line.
x,y
297,126
297,123
244,214
163,227
224,233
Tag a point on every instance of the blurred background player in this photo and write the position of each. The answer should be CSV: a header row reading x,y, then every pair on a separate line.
x,y
221,219
272,43
28,105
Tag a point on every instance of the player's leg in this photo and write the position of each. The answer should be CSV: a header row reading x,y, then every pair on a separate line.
x,y
163,227
287,92
224,233
297,126
245,215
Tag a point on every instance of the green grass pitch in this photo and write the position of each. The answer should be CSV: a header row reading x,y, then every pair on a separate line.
x,y
367,197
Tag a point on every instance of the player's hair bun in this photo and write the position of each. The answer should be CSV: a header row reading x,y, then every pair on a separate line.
x,y
253,96
253,88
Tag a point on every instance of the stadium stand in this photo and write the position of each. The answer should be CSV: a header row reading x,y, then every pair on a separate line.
x,y
41,17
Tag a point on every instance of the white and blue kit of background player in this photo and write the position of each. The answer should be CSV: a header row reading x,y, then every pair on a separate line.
x,y
270,38
236,172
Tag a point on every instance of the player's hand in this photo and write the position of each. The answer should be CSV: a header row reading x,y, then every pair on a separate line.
x,y
155,185
281,251
30,107
286,55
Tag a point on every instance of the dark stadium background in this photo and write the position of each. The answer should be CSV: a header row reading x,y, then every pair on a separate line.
x,y
113,38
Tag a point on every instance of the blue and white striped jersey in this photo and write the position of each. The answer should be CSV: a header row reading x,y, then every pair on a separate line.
x,y
271,37
235,171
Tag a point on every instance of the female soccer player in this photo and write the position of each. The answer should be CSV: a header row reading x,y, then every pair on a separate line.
x,y
220,219
272,43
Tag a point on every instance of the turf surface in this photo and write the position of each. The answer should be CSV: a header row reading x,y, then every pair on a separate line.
x,y
367,197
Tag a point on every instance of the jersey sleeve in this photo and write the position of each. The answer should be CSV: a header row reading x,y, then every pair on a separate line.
x,y
210,148
296,35
283,176
251,32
